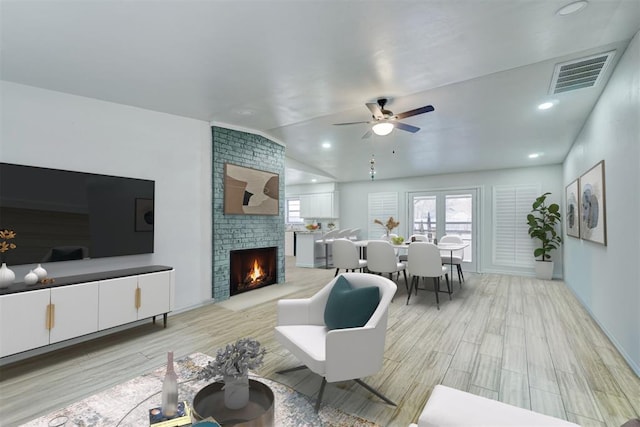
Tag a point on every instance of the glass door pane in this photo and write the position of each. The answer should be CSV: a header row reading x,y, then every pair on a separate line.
x,y
424,215
459,219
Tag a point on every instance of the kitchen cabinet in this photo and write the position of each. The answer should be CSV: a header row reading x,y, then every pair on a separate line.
x,y
289,243
319,205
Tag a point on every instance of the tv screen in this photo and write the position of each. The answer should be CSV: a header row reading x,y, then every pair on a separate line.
x,y
61,215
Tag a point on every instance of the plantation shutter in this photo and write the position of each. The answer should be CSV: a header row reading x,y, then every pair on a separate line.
x,y
381,206
512,245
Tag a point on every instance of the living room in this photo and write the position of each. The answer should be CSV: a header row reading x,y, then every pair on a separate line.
x,y
61,129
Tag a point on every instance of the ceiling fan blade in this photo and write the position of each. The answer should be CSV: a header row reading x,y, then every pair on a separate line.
x,y
408,128
375,110
421,110
349,123
367,134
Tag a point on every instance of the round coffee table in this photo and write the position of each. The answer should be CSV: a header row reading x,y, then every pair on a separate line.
x,y
209,402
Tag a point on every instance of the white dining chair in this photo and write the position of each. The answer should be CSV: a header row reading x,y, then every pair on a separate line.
x,y
346,256
454,258
424,261
381,258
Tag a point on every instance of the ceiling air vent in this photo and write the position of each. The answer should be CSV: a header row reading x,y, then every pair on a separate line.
x,y
580,73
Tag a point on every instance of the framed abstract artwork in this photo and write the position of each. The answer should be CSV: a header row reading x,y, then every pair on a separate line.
x,y
250,191
572,205
593,221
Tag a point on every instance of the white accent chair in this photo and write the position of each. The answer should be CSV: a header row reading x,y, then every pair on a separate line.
x,y
338,354
424,261
381,258
450,407
346,256
458,256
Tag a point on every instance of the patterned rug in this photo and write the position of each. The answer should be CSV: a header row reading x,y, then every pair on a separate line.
x,y
128,404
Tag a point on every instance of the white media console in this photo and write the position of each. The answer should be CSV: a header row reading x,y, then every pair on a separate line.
x,y
40,315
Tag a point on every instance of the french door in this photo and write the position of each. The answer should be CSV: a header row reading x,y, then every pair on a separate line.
x,y
437,213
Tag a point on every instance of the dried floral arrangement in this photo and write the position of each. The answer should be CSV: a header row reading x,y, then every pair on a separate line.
x,y
389,225
5,246
235,360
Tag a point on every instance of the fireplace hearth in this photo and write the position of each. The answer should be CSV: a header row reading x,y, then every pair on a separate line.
x,y
252,269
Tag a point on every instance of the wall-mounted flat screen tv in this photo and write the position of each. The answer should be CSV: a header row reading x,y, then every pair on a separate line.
x,y
60,215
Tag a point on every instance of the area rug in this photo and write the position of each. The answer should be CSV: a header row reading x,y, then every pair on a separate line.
x,y
128,404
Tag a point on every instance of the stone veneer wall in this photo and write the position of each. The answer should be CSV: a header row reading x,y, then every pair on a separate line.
x,y
232,232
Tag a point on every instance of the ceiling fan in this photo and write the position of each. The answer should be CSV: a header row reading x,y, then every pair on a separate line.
x,y
384,120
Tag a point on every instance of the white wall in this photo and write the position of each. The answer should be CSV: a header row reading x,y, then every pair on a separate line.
x,y
354,201
607,278
57,130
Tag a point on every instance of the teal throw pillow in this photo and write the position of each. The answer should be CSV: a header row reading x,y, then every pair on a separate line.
x,y
349,307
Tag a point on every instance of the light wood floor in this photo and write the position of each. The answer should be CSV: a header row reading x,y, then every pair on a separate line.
x,y
522,341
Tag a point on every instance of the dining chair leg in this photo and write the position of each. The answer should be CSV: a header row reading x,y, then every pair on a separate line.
x,y
406,283
446,276
413,280
337,269
436,287
460,272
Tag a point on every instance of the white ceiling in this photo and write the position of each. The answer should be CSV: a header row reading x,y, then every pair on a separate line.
x,y
290,69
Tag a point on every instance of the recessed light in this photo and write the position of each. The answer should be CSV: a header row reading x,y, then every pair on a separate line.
x,y
314,180
545,105
574,7
326,145
534,155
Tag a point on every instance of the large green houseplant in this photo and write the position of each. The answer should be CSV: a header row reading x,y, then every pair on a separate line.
x,y
542,222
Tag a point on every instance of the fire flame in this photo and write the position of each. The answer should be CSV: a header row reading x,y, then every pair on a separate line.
x,y
256,272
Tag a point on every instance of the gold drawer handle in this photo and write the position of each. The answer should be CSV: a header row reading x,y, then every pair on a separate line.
x,y
138,297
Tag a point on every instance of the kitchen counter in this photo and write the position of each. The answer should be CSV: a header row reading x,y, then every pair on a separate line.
x,y
309,253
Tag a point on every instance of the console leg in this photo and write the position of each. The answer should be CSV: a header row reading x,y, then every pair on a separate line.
x,y
164,319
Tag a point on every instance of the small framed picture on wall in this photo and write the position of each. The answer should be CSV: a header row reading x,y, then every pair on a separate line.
x,y
572,206
593,221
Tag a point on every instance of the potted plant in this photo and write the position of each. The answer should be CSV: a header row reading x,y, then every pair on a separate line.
x,y
232,364
542,223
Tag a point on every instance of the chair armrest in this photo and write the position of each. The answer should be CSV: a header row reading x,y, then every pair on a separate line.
x,y
354,353
293,312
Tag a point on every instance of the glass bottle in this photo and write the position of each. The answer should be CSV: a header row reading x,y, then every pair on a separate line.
x,y
170,389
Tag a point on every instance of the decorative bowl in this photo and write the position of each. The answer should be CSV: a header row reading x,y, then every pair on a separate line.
x,y
397,240
312,227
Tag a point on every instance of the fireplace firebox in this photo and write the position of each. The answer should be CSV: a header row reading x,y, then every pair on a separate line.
x,y
252,269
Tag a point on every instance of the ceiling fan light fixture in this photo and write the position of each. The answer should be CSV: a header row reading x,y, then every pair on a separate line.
x,y
382,128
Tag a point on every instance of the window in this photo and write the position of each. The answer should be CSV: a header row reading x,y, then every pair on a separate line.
x,y
293,211
512,245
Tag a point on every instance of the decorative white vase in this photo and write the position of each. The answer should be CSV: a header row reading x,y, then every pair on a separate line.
x,y
31,278
236,391
6,276
40,272
544,270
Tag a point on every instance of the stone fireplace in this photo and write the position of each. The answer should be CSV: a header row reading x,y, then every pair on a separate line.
x,y
252,269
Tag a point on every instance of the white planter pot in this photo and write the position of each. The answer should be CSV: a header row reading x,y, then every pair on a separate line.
x,y
544,270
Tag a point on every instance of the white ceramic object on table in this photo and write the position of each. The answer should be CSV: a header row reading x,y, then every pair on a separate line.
x,y
7,276
40,272
31,278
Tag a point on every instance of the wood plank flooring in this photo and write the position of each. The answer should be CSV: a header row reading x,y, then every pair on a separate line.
x,y
525,342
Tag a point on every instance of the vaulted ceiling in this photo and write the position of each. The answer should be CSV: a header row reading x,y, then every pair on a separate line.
x,y
291,69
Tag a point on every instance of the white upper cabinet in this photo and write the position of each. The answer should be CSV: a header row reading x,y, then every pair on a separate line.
x,y
319,205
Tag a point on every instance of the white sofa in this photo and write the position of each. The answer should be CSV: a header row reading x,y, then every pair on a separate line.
x,y
450,407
